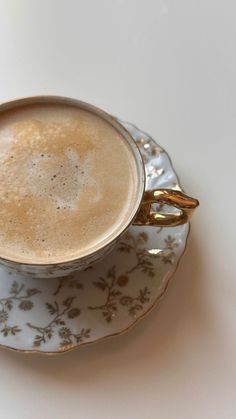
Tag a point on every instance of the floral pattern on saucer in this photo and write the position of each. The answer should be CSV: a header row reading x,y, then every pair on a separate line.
x,y
56,315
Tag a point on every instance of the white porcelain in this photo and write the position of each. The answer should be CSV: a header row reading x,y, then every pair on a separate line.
x,y
56,315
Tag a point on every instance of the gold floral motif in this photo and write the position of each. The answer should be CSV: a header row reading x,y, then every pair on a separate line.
x,y
69,281
143,259
68,338
168,254
112,285
58,323
20,296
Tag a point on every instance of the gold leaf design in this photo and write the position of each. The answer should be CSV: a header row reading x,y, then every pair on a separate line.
x,y
3,316
17,294
26,305
71,281
68,337
52,308
7,330
112,284
143,259
168,254
57,324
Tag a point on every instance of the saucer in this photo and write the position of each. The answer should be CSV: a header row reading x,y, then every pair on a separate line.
x,y
57,315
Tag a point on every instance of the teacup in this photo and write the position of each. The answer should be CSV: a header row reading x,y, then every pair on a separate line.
x,y
72,181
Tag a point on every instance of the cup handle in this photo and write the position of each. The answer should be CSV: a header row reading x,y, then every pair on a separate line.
x,y
177,199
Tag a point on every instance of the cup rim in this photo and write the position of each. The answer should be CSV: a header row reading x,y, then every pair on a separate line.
x,y
54,99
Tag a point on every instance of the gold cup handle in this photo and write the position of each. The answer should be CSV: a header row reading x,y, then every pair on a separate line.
x,y
177,199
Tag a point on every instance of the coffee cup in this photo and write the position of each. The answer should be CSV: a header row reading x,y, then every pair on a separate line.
x,y
72,180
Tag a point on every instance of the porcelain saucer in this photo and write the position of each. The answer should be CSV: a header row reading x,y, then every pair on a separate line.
x,y
57,315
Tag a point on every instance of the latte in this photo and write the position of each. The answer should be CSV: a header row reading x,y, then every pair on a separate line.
x,y
68,182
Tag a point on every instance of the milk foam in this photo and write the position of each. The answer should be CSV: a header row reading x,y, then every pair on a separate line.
x,y
67,182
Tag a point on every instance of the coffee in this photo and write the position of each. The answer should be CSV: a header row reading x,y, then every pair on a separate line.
x,y
68,182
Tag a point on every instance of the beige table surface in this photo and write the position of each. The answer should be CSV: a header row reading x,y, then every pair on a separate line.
x,y
170,67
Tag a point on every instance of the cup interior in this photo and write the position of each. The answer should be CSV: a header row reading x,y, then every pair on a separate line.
x,y
134,155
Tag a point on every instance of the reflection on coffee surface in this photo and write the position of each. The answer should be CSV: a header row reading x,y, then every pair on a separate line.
x,y
68,182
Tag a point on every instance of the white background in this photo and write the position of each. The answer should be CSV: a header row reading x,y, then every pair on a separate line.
x,y
169,67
